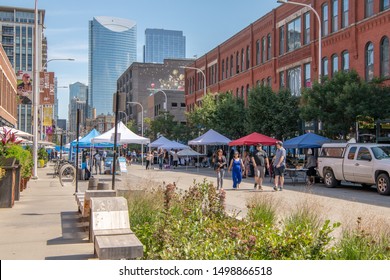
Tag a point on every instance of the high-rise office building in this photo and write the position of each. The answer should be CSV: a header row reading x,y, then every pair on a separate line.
x,y
112,49
78,93
161,44
17,37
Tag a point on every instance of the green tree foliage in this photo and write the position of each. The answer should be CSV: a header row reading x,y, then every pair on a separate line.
x,y
230,116
339,101
273,114
166,125
202,118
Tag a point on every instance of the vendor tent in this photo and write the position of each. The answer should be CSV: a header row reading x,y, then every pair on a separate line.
x,y
124,136
188,153
86,141
254,139
174,145
159,142
211,137
308,140
20,133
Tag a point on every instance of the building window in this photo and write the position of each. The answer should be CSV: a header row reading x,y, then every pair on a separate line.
x,y
345,61
385,62
335,64
306,34
263,49
182,105
294,80
269,81
237,62
223,69
345,9
369,8
174,105
257,52
369,61
242,60
231,65
242,92
384,5
294,34
335,15
325,20
237,92
282,81
227,67
282,43
307,75
325,67
269,45
248,57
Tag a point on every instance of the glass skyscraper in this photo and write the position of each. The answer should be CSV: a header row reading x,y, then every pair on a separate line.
x,y
112,49
161,44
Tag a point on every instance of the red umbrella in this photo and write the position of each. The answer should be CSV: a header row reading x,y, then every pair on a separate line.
x,y
254,139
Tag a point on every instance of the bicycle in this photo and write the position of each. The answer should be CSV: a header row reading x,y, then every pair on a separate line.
x,y
67,174
57,166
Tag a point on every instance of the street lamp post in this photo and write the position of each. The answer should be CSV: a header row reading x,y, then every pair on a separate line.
x,y
204,77
319,33
68,59
154,92
126,117
142,128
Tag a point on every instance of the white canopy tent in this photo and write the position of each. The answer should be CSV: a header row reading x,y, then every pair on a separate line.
x,y
124,136
211,137
159,142
15,131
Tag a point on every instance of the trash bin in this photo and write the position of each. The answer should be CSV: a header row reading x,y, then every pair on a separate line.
x,y
7,183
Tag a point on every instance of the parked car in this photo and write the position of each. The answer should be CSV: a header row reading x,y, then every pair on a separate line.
x,y
365,164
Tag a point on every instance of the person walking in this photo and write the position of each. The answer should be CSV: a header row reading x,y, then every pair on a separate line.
x,y
161,155
311,165
97,162
237,166
246,160
279,166
219,167
260,163
175,159
149,157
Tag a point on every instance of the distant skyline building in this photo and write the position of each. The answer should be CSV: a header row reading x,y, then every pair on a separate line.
x,y
17,38
163,44
78,93
112,49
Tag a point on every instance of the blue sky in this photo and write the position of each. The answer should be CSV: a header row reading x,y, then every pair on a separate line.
x,y
205,23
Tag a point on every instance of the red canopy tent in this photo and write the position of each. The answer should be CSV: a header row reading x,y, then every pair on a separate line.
x,y
254,139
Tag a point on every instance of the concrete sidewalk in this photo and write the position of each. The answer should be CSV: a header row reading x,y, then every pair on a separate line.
x,y
44,223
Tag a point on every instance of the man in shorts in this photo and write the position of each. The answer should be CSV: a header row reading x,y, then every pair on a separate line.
x,y
260,162
279,166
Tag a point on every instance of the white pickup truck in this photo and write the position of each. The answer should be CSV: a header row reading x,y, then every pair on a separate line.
x,y
365,164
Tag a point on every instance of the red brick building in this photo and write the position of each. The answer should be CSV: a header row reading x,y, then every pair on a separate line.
x,y
7,91
281,48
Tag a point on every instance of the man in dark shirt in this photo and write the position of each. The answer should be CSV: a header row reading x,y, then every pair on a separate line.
x,y
260,162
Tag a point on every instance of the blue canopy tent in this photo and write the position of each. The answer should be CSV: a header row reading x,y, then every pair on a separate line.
x,y
86,142
306,141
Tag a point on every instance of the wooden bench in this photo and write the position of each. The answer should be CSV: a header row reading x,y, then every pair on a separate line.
x,y
84,199
110,229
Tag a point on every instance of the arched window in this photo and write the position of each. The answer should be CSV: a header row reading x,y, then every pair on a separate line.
x,y
369,8
237,92
325,20
242,92
345,61
385,63
238,62
325,67
335,15
269,43
263,50
257,52
248,57
227,67
231,65
335,64
223,69
369,61
242,60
